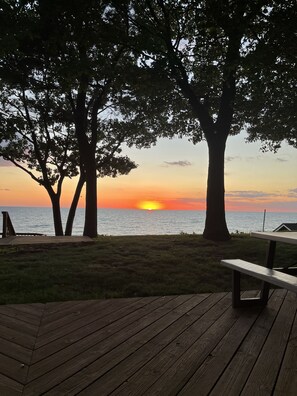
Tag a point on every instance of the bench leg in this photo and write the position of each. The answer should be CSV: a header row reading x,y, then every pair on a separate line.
x,y
265,292
236,289
269,264
238,302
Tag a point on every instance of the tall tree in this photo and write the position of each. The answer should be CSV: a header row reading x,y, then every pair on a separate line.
x,y
200,47
88,46
38,127
34,143
71,71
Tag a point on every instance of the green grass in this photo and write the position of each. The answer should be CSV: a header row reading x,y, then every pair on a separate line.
x,y
127,266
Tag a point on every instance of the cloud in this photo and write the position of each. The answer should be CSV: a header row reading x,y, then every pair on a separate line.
x,y
255,158
249,194
4,189
178,163
293,193
229,158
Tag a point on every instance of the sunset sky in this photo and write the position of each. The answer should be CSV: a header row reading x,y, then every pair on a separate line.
x,y
173,174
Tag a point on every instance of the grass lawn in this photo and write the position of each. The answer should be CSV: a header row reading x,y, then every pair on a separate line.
x,y
127,266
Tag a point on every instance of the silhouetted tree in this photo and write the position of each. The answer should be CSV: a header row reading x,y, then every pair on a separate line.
x,y
200,48
52,125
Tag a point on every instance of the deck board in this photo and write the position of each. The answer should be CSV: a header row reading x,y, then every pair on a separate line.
x,y
20,314
91,353
287,379
44,240
138,360
186,345
238,370
9,387
264,376
204,378
15,351
71,334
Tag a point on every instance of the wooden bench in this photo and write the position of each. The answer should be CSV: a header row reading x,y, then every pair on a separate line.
x,y
268,276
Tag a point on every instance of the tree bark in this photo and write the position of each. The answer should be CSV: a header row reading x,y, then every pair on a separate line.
x,y
74,203
90,227
215,224
87,152
57,215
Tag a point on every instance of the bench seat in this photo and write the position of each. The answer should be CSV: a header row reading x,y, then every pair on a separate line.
x,y
268,276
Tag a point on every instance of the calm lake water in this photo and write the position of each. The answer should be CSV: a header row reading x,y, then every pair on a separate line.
x,y
141,222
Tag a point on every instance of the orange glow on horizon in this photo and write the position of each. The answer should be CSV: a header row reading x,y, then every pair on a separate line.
x,y
18,189
150,205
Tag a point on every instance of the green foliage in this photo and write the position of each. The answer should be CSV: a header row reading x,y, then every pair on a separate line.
x,y
37,120
198,48
269,105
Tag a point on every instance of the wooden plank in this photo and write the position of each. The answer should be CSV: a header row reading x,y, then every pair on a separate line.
x,y
44,240
286,237
287,379
135,367
154,347
96,333
58,311
13,369
98,308
35,309
17,336
266,274
65,317
21,314
237,371
264,374
214,365
15,351
154,369
9,387
100,343
189,351
78,330
123,350
35,305
17,324
51,306
58,314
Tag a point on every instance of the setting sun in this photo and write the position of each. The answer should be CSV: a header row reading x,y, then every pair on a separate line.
x,y
150,205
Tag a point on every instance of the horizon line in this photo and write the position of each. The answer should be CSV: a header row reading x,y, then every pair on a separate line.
x,y
155,210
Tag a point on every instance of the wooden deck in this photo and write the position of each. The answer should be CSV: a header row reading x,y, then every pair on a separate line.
x,y
185,345
44,240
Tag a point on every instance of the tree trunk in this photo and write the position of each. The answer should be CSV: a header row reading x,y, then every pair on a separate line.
x,y
215,224
74,203
57,215
87,151
90,227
